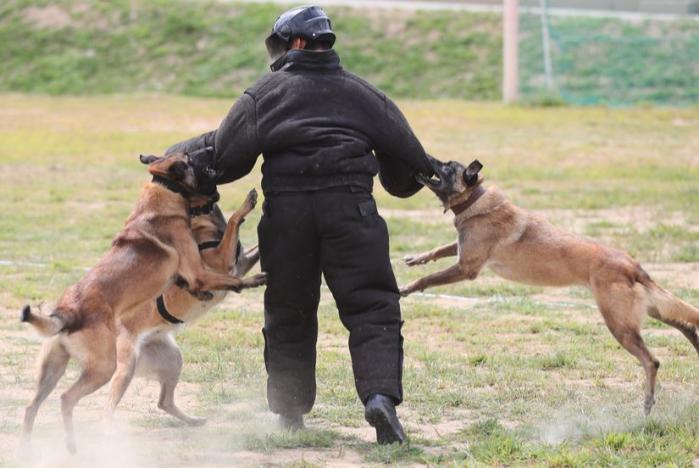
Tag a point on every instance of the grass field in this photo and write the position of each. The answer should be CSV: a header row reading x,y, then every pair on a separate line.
x,y
503,374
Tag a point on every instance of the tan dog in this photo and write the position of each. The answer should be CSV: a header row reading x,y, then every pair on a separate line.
x,y
154,248
523,247
145,341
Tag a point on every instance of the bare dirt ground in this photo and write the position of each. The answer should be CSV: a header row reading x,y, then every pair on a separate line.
x,y
128,442
131,443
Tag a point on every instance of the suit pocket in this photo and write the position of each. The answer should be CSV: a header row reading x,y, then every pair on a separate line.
x,y
367,208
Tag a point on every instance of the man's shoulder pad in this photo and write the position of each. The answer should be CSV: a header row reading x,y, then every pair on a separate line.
x,y
365,84
263,85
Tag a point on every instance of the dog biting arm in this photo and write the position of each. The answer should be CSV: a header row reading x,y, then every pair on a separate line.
x,y
399,152
236,143
193,144
448,250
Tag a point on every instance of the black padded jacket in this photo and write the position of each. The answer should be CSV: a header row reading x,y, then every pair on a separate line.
x,y
317,127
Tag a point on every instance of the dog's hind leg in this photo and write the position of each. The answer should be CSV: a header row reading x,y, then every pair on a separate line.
x,y
623,311
229,243
689,331
126,357
247,260
54,360
164,357
96,351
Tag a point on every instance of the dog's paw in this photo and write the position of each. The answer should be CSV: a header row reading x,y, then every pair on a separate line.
x,y
71,447
195,422
412,260
251,199
256,280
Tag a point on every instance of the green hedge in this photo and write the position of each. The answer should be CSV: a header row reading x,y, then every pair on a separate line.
x,y
217,48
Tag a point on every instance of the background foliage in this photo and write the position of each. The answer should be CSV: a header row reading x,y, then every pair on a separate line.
x,y
209,48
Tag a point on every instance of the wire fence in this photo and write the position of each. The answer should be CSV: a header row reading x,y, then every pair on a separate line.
x,y
587,60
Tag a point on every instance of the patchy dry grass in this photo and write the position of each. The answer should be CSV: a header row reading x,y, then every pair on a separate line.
x,y
507,375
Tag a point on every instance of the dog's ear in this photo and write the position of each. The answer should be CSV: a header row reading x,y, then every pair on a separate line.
x,y
471,173
171,168
148,158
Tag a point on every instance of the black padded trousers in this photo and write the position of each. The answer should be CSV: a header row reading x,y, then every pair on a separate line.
x,y
338,233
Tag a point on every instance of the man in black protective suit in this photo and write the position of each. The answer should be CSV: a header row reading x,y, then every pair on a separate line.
x,y
324,134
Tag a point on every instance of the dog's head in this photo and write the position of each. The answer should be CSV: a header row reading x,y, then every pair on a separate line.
x,y
179,168
453,182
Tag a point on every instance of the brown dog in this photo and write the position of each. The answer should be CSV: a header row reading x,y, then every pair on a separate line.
x,y
145,341
154,248
523,247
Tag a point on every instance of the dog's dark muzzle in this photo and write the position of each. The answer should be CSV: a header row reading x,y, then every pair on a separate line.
x,y
438,180
202,162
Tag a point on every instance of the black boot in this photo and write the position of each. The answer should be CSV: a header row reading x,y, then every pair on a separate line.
x,y
380,412
291,422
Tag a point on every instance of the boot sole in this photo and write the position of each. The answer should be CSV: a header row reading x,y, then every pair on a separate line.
x,y
385,432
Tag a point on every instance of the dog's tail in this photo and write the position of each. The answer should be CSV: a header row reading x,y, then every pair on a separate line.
x,y
47,326
669,309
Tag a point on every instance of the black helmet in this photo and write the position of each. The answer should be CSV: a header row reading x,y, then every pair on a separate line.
x,y
309,22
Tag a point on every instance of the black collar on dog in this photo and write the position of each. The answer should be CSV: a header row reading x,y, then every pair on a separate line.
x,y
171,186
214,244
209,245
162,310
202,210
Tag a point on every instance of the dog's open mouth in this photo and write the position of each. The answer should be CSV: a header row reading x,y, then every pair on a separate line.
x,y
431,182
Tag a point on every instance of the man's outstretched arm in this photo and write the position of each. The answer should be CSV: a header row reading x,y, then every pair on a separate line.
x,y
235,143
400,154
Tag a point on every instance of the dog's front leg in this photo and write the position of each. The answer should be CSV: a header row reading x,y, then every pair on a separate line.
x,y
193,277
449,250
229,243
450,275
468,268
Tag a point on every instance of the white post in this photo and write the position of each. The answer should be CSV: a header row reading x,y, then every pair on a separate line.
x,y
133,10
510,23
546,44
